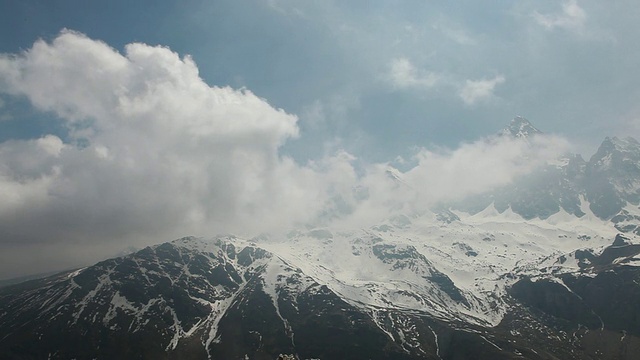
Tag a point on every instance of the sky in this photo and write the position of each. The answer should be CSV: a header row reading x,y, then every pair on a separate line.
x,y
128,124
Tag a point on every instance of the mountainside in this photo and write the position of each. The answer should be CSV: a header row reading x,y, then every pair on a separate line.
x,y
227,298
545,268
520,127
608,184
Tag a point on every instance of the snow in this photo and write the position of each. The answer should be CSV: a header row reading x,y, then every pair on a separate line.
x,y
491,342
118,302
271,284
435,340
561,217
103,281
502,242
75,273
520,127
176,327
218,309
378,318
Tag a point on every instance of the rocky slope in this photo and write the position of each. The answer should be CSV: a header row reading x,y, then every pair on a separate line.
x,y
228,298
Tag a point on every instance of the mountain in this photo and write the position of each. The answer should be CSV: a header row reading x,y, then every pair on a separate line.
x,y
520,127
545,268
555,187
608,185
614,176
382,298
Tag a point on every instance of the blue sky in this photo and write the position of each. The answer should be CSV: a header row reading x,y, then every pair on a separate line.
x,y
311,98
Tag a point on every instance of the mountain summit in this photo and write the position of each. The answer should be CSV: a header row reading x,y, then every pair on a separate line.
x,y
612,176
520,127
617,153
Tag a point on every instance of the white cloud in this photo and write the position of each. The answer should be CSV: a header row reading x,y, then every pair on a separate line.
x,y
51,144
403,74
444,175
474,91
155,153
475,167
573,17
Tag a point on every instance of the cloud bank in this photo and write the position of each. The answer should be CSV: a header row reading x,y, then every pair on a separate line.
x,y
474,91
572,18
403,74
153,153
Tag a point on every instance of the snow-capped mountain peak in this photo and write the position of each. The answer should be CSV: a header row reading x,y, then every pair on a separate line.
x,y
614,151
520,127
625,144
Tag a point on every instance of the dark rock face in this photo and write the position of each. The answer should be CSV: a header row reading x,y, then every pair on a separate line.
x,y
556,300
621,240
601,313
599,308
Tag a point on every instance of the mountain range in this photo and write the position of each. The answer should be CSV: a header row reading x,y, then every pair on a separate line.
x,y
543,268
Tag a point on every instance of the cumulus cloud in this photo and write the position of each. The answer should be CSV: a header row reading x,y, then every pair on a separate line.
x,y
474,91
403,74
572,18
153,153
472,168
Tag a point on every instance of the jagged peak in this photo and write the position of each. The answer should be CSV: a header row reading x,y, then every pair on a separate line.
x,y
616,145
621,144
520,127
621,154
